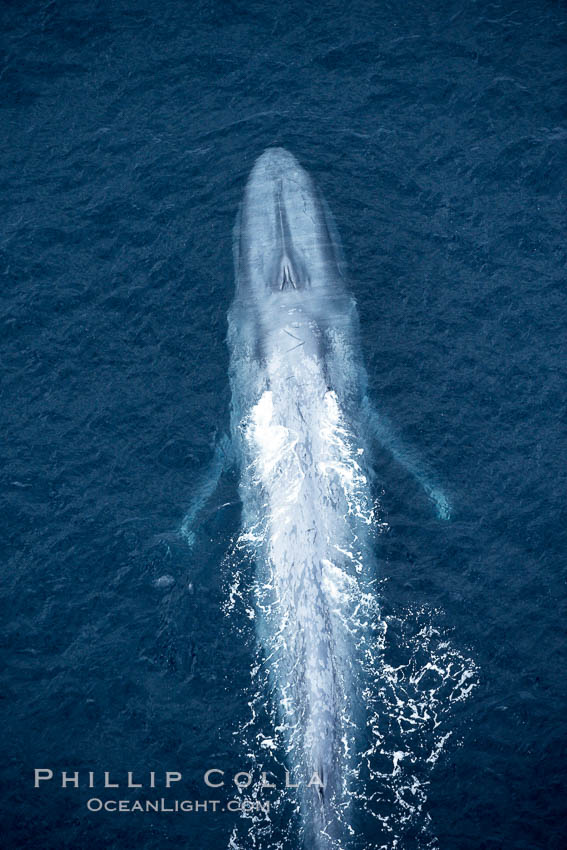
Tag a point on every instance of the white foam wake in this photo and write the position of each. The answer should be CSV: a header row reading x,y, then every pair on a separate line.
x,y
338,688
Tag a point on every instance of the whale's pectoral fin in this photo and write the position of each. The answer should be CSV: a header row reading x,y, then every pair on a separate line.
x,y
382,431
439,499
223,460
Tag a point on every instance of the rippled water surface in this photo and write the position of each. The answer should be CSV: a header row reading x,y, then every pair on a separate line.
x,y
437,134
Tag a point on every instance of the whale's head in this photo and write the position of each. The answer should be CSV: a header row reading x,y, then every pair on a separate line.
x,y
287,249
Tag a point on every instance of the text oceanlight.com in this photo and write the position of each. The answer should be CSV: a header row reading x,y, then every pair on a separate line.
x,y
95,804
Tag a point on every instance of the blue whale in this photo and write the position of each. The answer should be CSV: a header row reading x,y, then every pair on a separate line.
x,y
302,430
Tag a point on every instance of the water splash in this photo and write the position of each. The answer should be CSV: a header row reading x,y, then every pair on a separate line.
x,y
374,701
414,678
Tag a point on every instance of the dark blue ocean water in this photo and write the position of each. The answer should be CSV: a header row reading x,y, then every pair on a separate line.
x,y
437,133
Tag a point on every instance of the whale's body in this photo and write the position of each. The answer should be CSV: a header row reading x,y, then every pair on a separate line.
x,y
296,384
301,428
